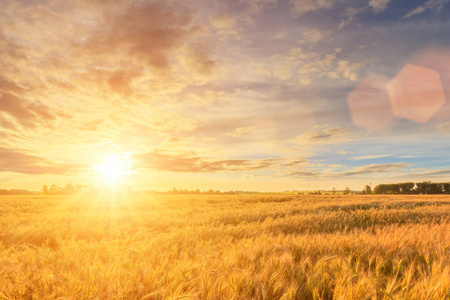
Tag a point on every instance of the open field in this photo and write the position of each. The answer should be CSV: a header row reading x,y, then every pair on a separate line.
x,y
225,247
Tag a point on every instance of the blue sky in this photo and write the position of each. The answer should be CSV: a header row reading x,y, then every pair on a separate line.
x,y
244,94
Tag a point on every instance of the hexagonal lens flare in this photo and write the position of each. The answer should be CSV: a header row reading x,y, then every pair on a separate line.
x,y
369,104
437,58
416,93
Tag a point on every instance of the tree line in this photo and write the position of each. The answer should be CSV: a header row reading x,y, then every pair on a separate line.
x,y
409,188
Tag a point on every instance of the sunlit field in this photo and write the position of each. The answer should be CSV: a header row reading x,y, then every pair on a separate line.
x,y
225,247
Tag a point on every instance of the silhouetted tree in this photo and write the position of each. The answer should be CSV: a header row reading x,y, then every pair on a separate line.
x,y
53,189
44,190
367,190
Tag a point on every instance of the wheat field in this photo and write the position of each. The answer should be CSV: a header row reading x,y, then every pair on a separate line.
x,y
225,247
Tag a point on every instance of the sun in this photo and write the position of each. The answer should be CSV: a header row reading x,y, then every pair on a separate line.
x,y
112,170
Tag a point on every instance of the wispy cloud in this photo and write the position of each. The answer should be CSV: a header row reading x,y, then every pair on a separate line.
x,y
189,162
370,156
372,169
379,6
20,161
304,6
150,32
26,113
306,174
349,15
334,135
425,175
257,6
376,169
240,131
312,36
223,21
444,127
433,5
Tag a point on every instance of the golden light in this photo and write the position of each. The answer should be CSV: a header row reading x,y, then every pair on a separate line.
x,y
112,170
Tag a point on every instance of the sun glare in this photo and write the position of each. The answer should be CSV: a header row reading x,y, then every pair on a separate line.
x,y
112,170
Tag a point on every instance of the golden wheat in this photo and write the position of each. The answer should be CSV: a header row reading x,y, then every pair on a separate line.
x,y
225,247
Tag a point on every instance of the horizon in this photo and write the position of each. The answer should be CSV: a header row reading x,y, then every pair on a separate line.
x,y
264,96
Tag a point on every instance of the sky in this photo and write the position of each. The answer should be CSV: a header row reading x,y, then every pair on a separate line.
x,y
265,95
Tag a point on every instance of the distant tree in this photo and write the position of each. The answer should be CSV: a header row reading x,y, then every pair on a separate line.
x,y
406,187
380,189
446,187
44,190
423,187
367,190
69,189
347,191
53,189
79,188
436,188
333,191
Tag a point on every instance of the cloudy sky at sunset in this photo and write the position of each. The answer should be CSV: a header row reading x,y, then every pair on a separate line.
x,y
265,95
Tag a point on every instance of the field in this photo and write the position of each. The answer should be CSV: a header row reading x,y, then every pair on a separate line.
x,y
225,247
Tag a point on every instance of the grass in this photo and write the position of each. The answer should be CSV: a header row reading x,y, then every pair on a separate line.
x,y
225,247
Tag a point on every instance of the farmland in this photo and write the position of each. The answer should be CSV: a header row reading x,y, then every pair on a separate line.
x,y
225,247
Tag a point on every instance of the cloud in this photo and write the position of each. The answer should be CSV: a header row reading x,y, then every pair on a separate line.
x,y
19,161
417,11
189,162
304,6
197,59
295,163
427,174
15,108
343,152
256,6
433,5
312,36
304,174
303,66
8,86
349,14
379,6
151,32
10,50
370,156
435,172
26,113
375,168
224,25
444,127
358,171
349,70
223,21
240,131
325,136
120,81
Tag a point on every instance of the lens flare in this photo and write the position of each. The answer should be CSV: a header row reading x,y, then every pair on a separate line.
x,y
112,170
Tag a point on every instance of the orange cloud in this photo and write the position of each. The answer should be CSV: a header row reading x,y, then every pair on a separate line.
x,y
150,32
13,160
120,81
189,162
357,171
27,114
10,50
